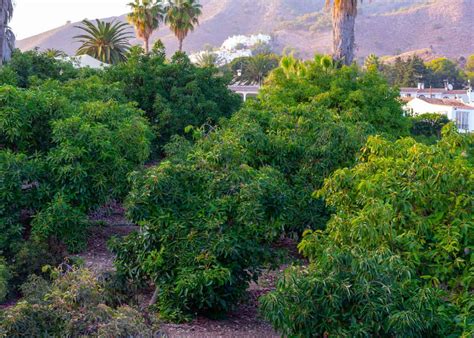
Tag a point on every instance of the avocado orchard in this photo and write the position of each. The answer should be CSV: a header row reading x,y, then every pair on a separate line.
x,y
397,250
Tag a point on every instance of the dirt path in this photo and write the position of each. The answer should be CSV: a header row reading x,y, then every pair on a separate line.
x,y
244,322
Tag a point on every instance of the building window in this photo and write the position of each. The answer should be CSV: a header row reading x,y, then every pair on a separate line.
x,y
462,120
422,96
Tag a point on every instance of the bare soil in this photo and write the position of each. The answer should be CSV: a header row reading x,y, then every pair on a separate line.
x,y
244,322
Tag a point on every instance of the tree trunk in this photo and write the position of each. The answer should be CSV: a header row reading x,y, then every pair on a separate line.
x,y
146,45
180,45
2,30
344,37
154,298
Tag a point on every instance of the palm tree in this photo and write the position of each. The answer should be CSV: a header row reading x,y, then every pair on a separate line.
x,y
146,17
7,38
208,59
54,53
182,16
344,13
105,41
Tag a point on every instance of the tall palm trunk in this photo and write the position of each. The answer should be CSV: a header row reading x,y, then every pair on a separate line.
x,y
344,37
181,44
146,45
2,30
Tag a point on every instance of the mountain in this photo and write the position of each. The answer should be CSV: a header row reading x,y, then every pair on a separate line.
x,y
384,27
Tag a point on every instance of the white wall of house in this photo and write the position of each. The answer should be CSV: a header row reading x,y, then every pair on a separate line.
x,y
463,116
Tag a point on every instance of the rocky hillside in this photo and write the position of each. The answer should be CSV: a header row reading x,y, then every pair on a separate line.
x,y
384,27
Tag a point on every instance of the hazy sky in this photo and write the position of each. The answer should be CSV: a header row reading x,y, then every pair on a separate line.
x,y
31,17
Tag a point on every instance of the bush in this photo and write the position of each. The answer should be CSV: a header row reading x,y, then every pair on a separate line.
x,y
72,305
4,279
32,66
210,212
174,95
347,91
412,198
26,116
95,150
20,195
401,228
428,125
354,293
62,221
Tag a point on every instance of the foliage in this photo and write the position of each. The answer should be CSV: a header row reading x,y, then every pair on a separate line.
x,y
25,67
403,195
354,293
412,203
443,69
428,125
252,70
104,41
72,305
19,192
60,220
174,95
25,118
208,59
408,72
95,150
352,94
209,213
4,279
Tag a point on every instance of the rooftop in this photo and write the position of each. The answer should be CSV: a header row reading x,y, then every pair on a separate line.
x,y
446,102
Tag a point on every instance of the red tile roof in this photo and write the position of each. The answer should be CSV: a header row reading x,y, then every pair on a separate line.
x,y
446,102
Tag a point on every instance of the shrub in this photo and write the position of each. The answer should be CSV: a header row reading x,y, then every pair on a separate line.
x,y
413,198
26,116
20,195
174,95
33,65
201,247
354,293
347,91
4,279
95,150
401,228
428,125
62,221
72,305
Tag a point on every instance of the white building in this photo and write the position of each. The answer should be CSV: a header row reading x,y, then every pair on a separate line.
x,y
448,93
459,112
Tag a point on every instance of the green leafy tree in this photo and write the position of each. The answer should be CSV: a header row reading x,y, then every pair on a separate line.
x,y
401,227
372,62
104,41
182,16
428,125
174,95
146,17
349,92
442,70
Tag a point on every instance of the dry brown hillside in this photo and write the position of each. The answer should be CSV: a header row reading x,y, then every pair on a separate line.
x,y
384,27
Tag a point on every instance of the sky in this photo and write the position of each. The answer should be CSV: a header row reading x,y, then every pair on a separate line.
x,y
32,17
